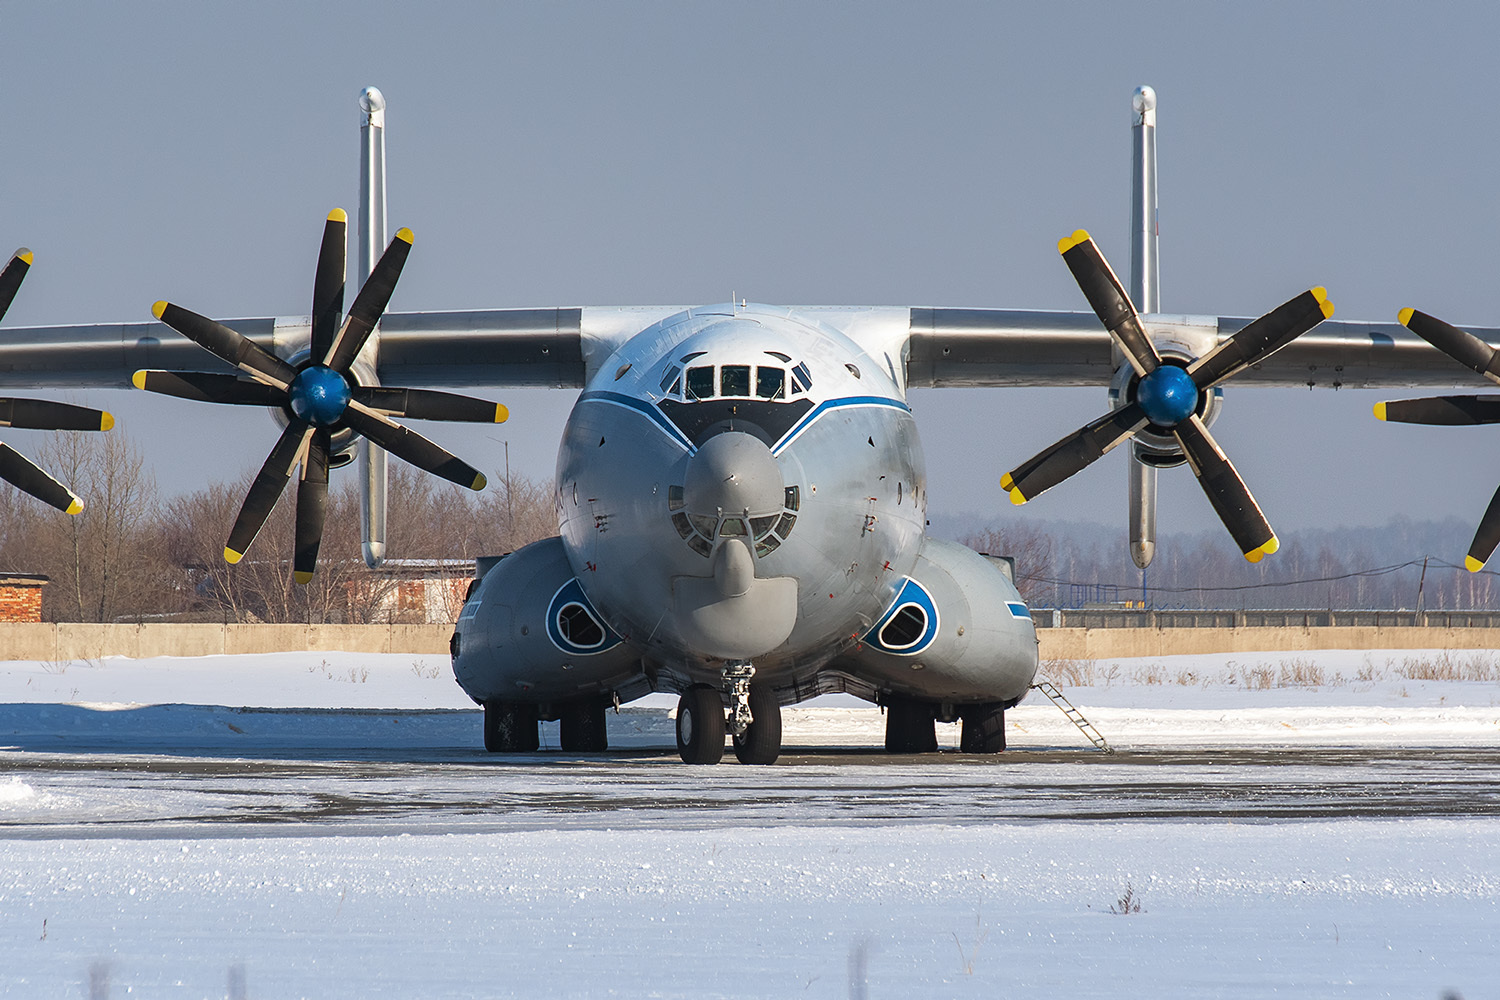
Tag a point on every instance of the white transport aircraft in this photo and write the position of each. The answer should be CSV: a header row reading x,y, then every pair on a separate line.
x,y
740,488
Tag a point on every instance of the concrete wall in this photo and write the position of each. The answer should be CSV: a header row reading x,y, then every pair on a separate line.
x,y
71,641
55,642
1111,643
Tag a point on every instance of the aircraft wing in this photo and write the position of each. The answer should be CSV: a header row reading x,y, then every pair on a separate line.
x,y
1008,347
502,347
561,346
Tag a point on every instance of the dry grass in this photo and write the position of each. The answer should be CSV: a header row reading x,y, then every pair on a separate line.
x,y
1448,667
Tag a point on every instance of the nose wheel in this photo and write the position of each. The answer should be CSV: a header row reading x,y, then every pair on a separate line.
x,y
700,725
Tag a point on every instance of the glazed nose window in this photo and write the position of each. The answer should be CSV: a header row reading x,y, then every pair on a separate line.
x,y
770,383
734,380
700,382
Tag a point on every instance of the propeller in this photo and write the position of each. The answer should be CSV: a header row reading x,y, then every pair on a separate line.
x,y
1167,396
1473,353
320,397
39,414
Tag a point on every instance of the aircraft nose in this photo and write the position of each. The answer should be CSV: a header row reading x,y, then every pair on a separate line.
x,y
734,472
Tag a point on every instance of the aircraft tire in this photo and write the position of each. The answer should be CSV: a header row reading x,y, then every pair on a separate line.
x,y
510,727
761,743
983,729
910,726
700,725
582,727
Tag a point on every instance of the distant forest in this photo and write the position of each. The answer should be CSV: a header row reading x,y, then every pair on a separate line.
x,y
1066,565
134,555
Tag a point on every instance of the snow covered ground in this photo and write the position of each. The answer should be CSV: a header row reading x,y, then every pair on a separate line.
x,y
112,884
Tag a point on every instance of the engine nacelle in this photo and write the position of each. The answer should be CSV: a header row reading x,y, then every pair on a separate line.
x,y
528,633
957,632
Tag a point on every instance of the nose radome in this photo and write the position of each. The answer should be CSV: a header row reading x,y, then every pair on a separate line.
x,y
734,472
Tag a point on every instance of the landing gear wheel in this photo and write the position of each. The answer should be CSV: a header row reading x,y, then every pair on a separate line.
x,y
510,727
910,726
761,743
983,729
700,725
581,726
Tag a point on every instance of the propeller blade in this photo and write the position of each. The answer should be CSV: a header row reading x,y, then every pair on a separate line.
x,y
1448,410
10,278
328,286
312,508
1486,537
22,473
43,415
405,443
266,490
224,343
370,303
1108,299
1460,345
1227,492
1262,338
1074,452
428,404
209,387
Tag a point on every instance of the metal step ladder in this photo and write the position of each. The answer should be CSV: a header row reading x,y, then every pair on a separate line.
x,y
1074,715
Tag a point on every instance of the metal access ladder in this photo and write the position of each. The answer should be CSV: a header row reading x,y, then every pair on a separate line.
x,y
1074,715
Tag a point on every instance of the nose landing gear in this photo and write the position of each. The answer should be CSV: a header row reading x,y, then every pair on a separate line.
x,y
754,719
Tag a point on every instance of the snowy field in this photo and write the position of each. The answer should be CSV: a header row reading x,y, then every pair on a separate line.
x,y
1317,825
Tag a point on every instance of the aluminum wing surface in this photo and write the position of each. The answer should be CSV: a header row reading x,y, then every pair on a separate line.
x,y
491,347
1008,347
946,347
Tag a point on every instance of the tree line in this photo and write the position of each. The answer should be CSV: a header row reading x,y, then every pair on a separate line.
x,y
135,555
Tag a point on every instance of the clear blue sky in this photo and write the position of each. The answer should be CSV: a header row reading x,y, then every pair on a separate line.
x,y
558,153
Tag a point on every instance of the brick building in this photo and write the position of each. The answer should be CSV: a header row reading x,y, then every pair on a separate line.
x,y
21,597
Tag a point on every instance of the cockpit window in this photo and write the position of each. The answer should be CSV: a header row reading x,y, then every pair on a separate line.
x,y
669,377
801,378
734,380
700,382
770,383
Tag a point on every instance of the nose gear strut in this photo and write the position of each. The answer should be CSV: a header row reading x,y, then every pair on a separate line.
x,y
737,674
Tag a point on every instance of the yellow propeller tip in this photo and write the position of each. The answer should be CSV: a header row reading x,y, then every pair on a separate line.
x,y
76,506
1069,242
479,482
1379,411
404,235
338,215
139,379
157,308
1007,483
231,556
1016,497
501,413
1405,316
106,420
1256,555
302,578
1472,565
25,256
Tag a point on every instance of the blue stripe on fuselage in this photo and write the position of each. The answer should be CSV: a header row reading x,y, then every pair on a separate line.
x,y
655,415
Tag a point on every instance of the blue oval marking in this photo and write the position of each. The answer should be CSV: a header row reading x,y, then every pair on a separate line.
x,y
572,593
912,594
